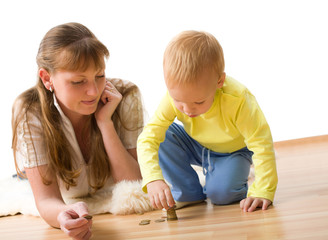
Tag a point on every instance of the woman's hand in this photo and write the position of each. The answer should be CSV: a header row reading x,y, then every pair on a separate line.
x,y
160,194
251,203
109,100
73,223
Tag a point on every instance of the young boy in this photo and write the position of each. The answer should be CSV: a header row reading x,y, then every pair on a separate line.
x,y
224,131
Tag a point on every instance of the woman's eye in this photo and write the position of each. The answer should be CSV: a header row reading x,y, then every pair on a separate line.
x,y
100,76
77,82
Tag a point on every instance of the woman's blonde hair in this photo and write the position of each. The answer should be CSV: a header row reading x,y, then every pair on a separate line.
x,y
69,46
189,54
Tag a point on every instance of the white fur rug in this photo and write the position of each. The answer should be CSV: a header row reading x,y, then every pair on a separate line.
x,y
125,197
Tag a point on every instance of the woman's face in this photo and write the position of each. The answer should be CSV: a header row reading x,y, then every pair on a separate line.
x,y
78,93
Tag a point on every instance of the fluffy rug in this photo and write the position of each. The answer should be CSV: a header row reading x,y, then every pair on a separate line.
x,y
125,197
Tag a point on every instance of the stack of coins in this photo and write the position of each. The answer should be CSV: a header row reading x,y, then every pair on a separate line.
x,y
171,215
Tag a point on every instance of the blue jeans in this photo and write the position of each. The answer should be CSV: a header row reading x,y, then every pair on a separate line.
x,y
226,173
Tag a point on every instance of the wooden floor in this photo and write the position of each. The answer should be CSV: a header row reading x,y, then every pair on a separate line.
x,y
300,209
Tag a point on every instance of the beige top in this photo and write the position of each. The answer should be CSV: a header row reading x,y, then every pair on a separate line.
x,y
26,153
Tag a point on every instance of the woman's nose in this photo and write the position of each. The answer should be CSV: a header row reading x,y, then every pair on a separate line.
x,y
92,89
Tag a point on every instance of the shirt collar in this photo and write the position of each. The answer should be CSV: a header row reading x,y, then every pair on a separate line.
x,y
62,114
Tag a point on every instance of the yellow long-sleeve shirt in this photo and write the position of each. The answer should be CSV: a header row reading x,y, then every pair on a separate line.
x,y
234,121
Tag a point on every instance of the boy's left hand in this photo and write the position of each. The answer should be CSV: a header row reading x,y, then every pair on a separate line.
x,y
250,204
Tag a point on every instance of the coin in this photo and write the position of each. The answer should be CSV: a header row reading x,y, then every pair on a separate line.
x,y
144,222
159,220
88,217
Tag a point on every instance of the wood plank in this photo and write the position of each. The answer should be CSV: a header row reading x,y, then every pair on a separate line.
x,y
322,139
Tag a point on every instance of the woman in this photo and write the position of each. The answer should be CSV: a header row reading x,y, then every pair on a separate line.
x,y
75,133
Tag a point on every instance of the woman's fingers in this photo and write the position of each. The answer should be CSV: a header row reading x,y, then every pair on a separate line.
x,y
73,223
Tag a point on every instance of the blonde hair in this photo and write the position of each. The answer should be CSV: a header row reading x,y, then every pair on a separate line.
x,y
189,54
69,46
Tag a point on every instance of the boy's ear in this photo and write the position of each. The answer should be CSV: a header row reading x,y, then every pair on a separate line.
x,y
45,77
221,80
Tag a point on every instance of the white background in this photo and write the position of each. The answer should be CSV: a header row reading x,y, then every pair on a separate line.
x,y
278,49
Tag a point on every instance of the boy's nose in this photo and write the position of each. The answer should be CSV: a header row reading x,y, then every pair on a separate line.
x,y
188,109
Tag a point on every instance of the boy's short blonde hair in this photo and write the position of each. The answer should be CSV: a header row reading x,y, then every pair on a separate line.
x,y
189,54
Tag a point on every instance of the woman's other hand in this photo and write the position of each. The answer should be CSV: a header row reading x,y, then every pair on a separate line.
x,y
109,100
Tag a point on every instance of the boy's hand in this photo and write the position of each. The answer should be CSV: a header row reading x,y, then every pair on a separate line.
x,y
160,194
251,203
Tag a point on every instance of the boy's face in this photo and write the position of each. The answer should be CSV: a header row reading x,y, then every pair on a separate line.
x,y
196,98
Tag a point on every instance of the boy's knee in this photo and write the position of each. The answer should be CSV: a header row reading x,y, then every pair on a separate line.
x,y
223,194
225,198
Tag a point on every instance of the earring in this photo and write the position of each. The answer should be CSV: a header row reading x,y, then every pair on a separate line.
x,y
50,89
